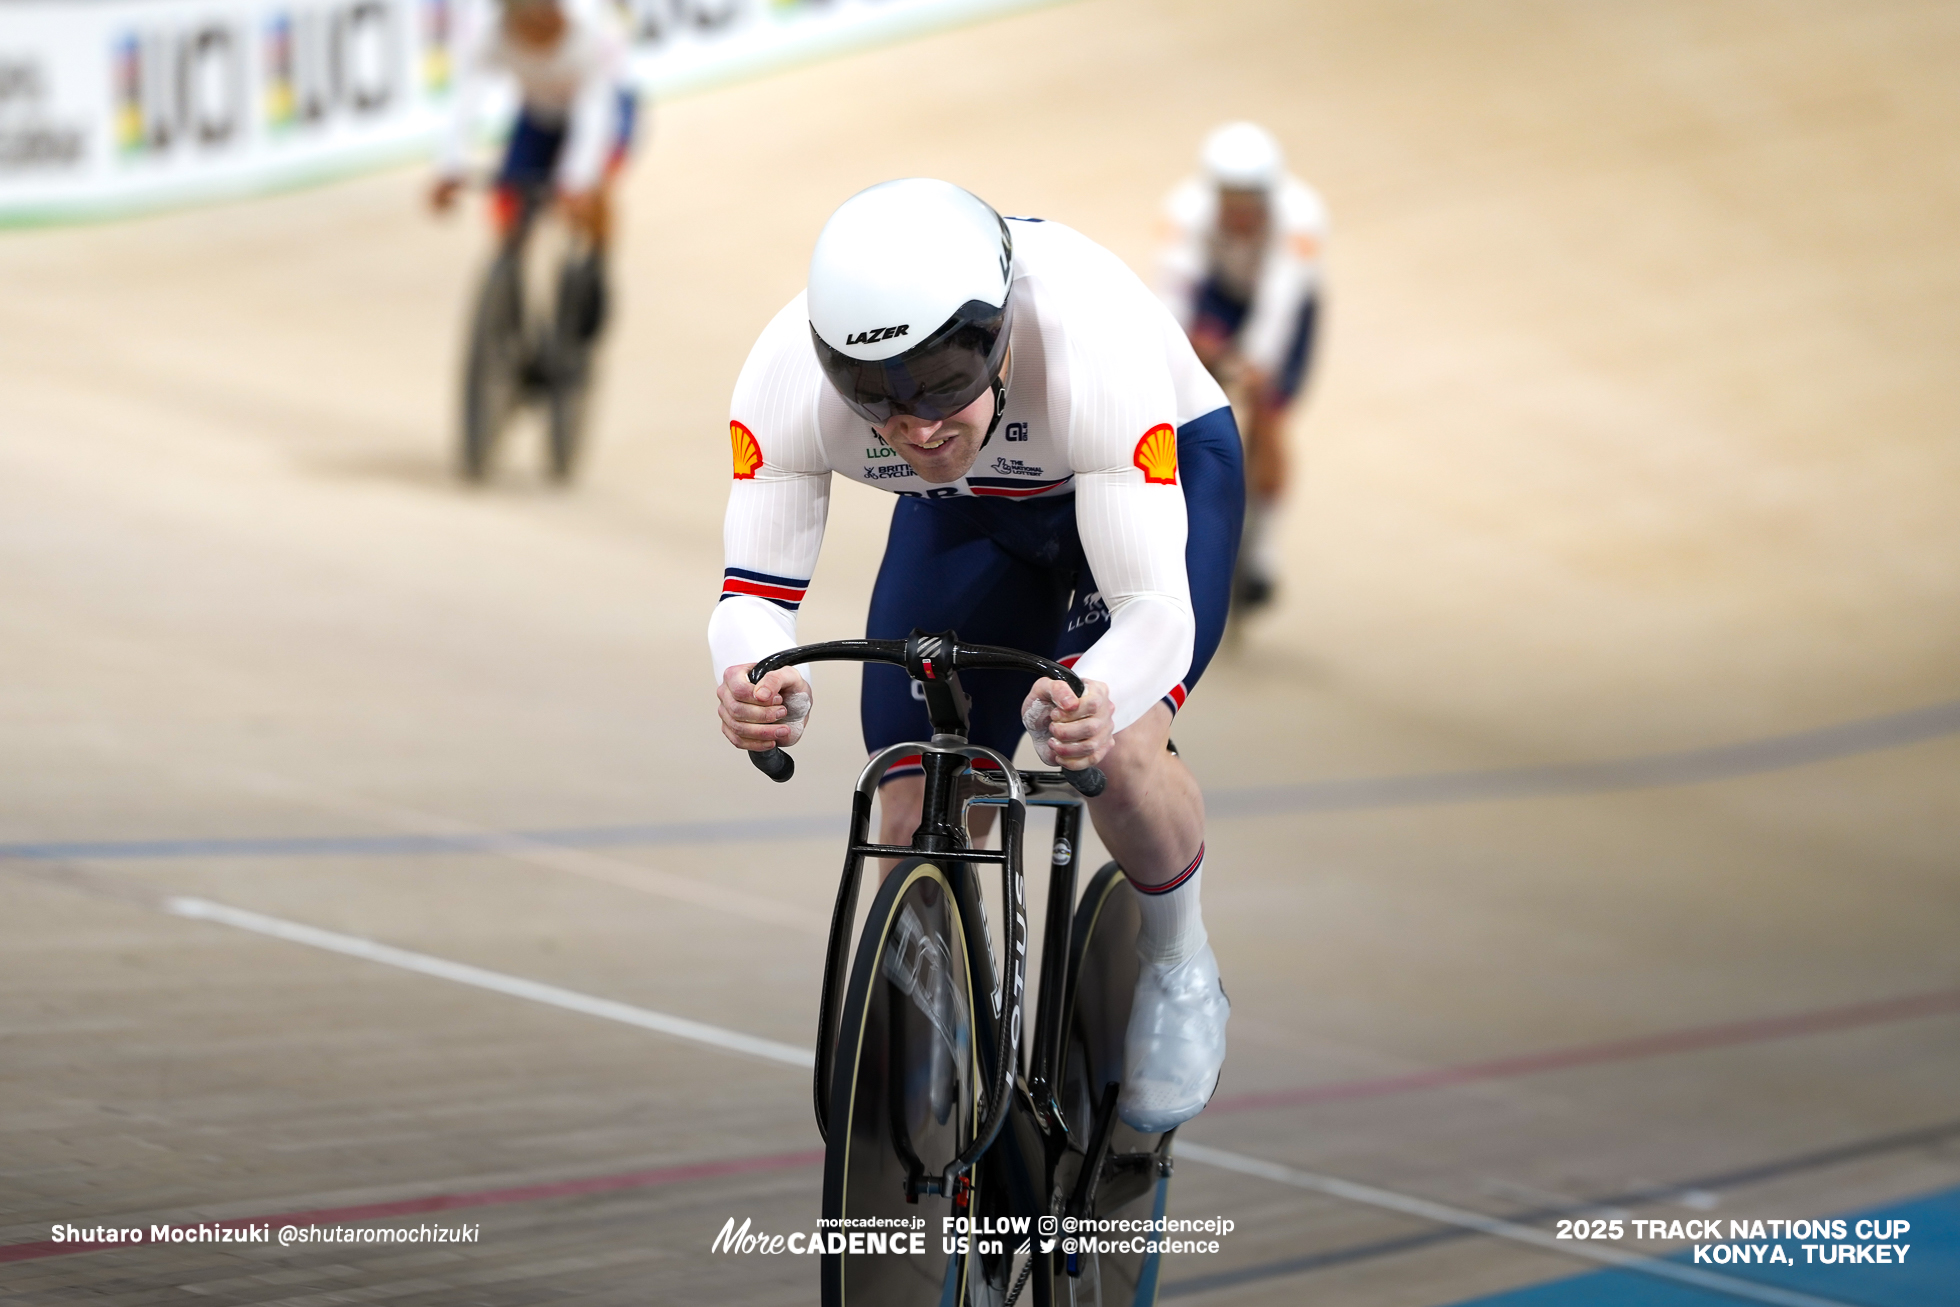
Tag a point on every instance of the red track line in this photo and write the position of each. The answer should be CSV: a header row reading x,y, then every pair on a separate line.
x,y
1727,1035
527,1193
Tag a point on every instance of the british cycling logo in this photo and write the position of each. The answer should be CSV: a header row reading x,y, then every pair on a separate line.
x,y
888,471
1014,467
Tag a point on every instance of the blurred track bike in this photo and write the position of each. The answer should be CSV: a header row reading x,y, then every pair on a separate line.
x,y
531,336
926,1107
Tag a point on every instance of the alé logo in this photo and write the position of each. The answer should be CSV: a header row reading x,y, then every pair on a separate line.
x,y
876,334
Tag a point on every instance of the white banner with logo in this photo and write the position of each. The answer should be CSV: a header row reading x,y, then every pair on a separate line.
x,y
111,106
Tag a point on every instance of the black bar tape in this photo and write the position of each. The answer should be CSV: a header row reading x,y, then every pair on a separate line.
x,y
1089,782
779,766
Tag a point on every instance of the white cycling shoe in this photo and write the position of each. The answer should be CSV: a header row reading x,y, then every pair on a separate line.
x,y
1175,1045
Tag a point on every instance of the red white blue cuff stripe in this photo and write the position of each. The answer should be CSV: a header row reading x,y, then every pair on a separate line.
x,y
1176,880
782,591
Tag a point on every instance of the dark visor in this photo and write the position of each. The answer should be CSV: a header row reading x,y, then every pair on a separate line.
x,y
934,379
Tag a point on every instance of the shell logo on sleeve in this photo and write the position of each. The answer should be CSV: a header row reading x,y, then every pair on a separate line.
x,y
748,454
1157,456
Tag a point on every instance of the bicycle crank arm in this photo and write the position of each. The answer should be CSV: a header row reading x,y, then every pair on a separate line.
x,y
1089,1179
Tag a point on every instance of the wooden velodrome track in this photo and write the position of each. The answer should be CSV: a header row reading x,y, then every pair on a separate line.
x,y
1633,439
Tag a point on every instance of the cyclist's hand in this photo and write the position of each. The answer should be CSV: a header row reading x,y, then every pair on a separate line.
x,y
581,209
1070,730
444,192
771,712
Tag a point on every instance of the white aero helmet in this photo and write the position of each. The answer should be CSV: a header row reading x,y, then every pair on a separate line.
x,y
909,300
1243,157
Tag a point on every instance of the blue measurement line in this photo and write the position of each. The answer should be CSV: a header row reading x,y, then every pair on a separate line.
x,y
1648,771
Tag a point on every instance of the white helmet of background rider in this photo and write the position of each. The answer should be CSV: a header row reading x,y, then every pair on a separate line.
x,y
910,300
1243,157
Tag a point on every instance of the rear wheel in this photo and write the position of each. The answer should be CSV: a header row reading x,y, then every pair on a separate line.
x,y
904,1101
581,296
1135,1179
566,428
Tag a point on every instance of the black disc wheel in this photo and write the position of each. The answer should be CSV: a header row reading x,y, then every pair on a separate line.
x,y
1135,1173
493,380
904,1101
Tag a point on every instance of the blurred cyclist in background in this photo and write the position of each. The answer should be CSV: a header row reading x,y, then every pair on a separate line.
x,y
575,117
1241,270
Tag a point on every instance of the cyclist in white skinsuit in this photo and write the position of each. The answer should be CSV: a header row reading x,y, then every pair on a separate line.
x,y
1241,269
1070,484
569,60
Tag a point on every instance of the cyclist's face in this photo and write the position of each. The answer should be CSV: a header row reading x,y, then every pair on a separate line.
x,y
942,451
1242,213
538,25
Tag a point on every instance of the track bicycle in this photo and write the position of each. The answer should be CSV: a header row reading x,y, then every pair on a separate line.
x,y
959,1164
530,337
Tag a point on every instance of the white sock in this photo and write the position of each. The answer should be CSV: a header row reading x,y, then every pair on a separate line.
x,y
1173,928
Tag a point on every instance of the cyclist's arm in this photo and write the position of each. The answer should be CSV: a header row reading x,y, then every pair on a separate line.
x,y
1181,252
472,68
594,120
1291,274
779,499
1132,527
770,539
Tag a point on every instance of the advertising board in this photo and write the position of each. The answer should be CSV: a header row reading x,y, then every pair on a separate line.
x,y
124,105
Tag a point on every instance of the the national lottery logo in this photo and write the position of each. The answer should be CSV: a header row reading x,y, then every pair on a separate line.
x,y
1014,467
748,454
1156,455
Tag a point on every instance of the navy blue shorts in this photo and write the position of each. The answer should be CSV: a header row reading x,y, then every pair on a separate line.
x,y
1012,572
531,157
